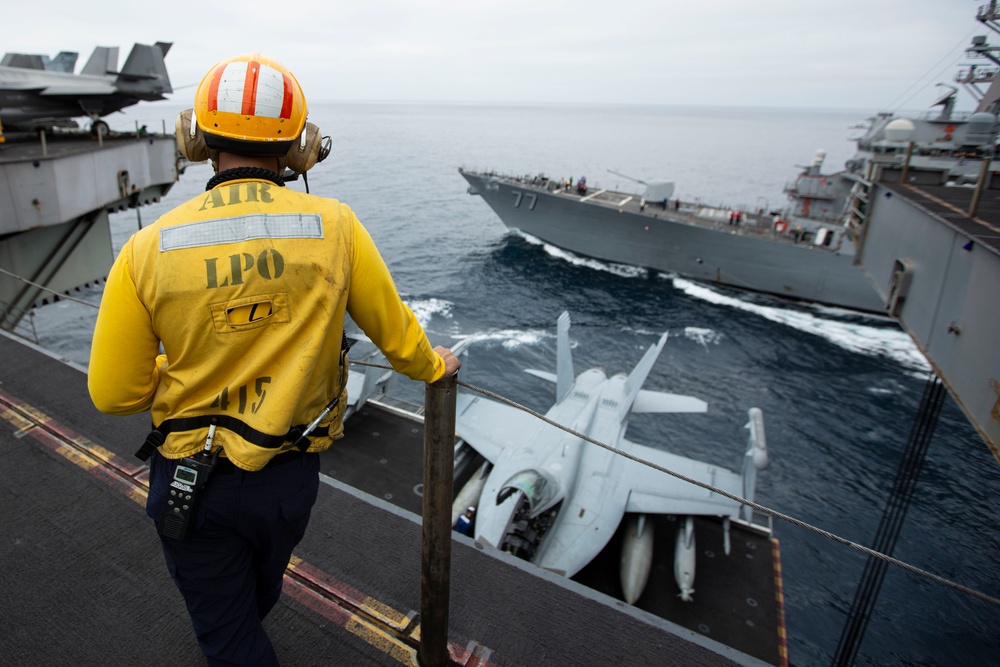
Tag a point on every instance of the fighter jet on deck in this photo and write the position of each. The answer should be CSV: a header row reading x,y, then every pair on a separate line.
x,y
556,500
33,96
65,61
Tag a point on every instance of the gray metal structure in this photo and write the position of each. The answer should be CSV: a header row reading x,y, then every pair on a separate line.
x,y
35,95
910,227
810,259
55,196
556,500
65,61
81,552
58,187
930,240
810,251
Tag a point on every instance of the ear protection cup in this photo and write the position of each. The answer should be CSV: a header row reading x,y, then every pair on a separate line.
x,y
310,148
190,140
306,152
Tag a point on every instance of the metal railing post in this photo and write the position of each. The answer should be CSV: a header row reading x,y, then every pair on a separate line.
x,y
906,164
435,574
984,171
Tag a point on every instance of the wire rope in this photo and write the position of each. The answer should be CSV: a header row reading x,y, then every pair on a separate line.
x,y
743,501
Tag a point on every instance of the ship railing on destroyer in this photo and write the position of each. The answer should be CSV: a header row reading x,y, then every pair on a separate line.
x,y
821,231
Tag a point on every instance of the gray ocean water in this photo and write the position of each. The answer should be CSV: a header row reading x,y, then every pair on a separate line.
x,y
839,391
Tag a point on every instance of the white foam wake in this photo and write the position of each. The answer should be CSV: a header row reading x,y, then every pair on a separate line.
x,y
623,270
508,338
702,336
426,309
892,343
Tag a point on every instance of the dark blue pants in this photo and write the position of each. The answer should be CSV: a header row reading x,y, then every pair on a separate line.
x,y
230,566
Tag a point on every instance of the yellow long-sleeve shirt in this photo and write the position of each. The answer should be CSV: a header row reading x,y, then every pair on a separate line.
x,y
246,288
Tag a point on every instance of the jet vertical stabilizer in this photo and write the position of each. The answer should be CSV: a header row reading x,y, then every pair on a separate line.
x,y
23,61
103,61
144,73
556,499
37,97
564,358
633,385
65,61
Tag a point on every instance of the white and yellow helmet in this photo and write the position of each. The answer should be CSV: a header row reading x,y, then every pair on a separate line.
x,y
251,105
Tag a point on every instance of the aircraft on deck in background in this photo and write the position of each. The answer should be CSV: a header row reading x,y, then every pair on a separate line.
x,y
556,500
64,62
35,94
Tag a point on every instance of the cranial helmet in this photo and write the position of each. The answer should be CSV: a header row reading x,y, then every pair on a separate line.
x,y
251,105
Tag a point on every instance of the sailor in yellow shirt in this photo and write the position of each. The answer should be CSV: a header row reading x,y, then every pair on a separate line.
x,y
225,320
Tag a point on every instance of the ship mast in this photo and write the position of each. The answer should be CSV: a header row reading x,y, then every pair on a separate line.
x,y
989,101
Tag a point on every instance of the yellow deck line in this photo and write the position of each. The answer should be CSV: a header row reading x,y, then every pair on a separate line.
x,y
378,624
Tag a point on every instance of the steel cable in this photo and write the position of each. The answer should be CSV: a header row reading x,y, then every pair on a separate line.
x,y
743,501
61,295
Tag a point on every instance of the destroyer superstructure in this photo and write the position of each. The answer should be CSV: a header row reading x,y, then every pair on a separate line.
x,y
808,250
810,260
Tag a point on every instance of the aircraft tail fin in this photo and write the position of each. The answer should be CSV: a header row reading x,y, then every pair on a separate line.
x,y
65,61
545,375
462,346
633,385
23,61
144,73
564,358
103,61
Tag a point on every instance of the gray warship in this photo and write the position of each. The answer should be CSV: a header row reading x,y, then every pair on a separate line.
x,y
807,251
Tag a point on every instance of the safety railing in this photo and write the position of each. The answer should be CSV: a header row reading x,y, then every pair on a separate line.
x,y
435,575
439,447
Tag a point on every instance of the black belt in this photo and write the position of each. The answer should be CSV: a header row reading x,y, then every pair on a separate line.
x,y
224,466
159,434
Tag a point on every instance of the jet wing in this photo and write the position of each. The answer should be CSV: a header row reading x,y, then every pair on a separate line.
x,y
96,88
491,427
659,401
19,82
54,84
654,492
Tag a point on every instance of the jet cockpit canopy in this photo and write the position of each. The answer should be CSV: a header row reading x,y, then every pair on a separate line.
x,y
539,489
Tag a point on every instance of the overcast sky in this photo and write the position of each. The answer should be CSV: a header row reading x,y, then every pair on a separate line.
x,y
850,54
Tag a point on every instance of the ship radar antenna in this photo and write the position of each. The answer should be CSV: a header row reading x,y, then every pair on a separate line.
x,y
947,101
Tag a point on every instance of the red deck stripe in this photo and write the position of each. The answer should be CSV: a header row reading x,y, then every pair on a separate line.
x,y
128,478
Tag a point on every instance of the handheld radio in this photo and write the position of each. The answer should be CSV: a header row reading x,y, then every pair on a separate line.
x,y
190,476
